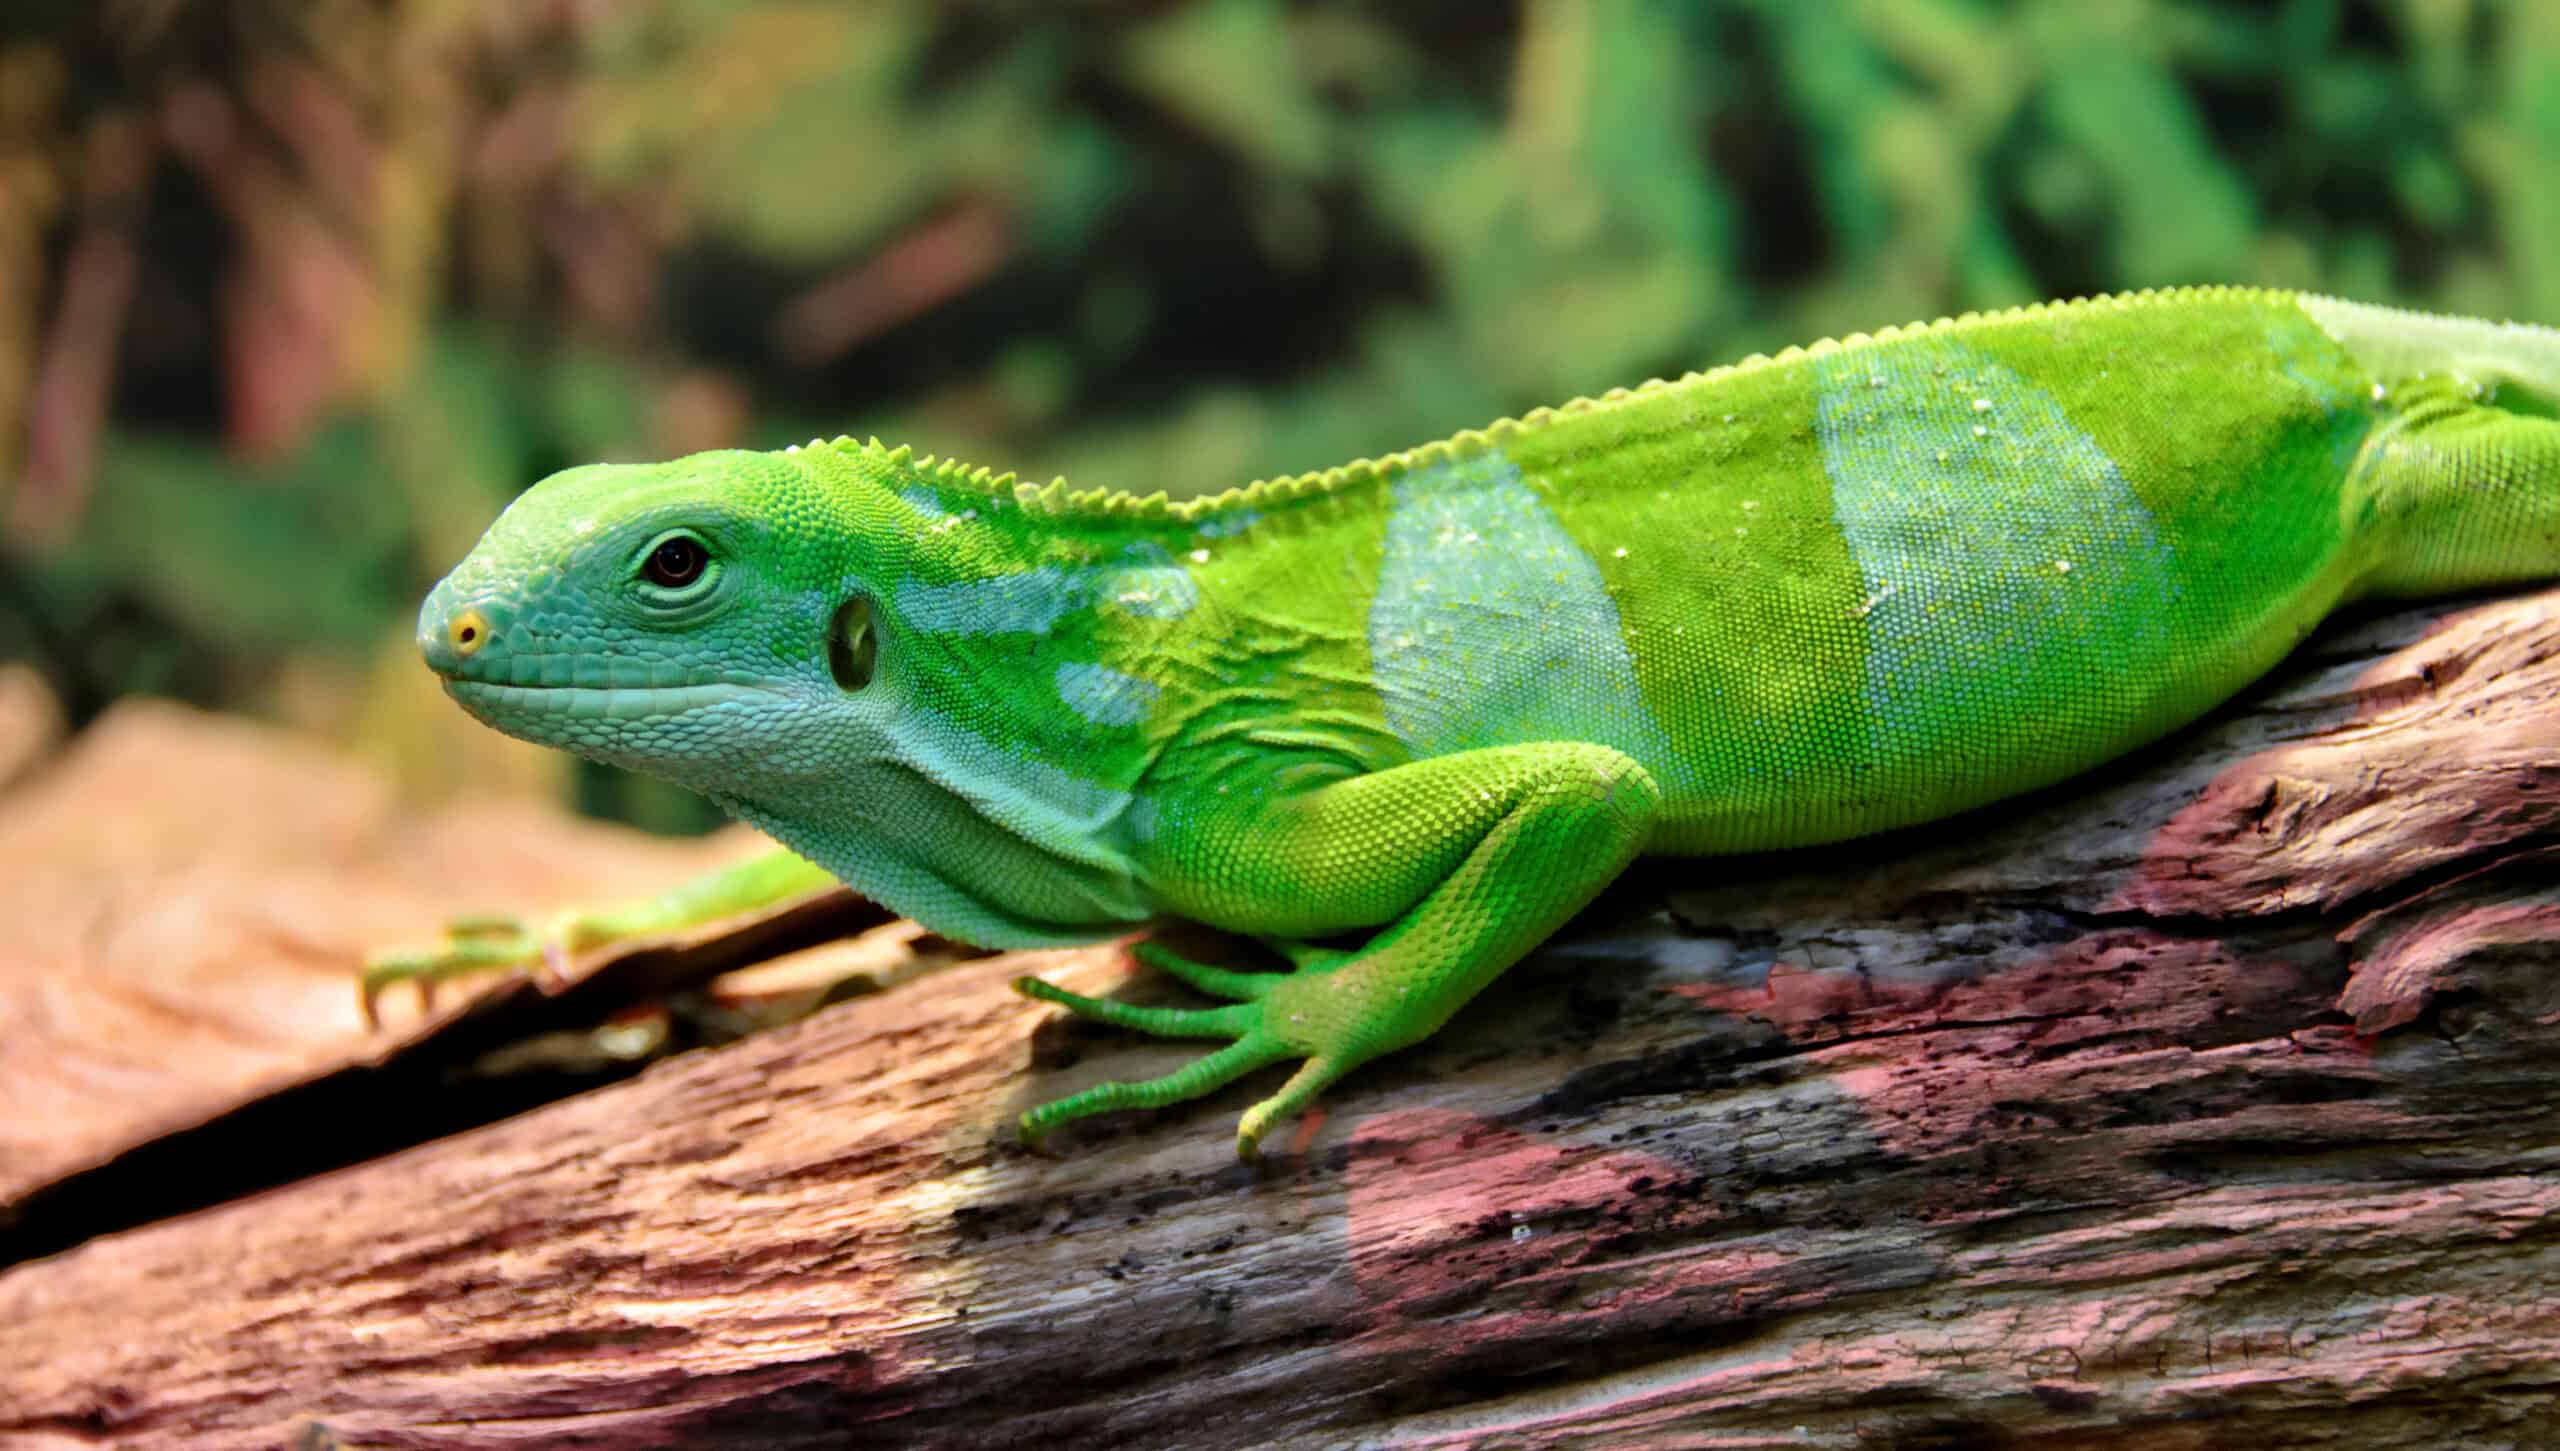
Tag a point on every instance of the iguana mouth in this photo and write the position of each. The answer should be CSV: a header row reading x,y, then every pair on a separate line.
x,y
592,702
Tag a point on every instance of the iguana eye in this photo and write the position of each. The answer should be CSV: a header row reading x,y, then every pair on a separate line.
x,y
676,562
853,649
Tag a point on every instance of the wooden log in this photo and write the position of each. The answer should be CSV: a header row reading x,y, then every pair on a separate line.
x,y
188,895
2212,1100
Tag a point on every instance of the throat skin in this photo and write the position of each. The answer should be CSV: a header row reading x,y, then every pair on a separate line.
x,y
894,834
1443,696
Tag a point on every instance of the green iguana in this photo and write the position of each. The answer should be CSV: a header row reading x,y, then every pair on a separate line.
x,y
1443,697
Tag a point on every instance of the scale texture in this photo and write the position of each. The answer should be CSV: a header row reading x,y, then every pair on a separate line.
x,y
1401,719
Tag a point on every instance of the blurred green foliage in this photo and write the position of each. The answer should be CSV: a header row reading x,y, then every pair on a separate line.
x,y
294,294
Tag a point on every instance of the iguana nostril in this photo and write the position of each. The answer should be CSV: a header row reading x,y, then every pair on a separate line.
x,y
468,632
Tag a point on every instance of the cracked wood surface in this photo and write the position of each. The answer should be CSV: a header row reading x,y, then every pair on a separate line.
x,y
187,894
2212,1100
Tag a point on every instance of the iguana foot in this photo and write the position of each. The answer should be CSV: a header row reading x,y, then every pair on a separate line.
x,y
1270,1018
486,944
1520,837
481,944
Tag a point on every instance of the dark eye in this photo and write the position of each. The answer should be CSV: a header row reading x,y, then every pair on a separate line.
x,y
676,562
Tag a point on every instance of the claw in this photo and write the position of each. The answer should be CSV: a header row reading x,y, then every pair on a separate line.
x,y
384,969
553,976
1313,1077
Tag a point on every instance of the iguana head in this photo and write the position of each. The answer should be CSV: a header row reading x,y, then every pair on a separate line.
x,y
810,639
693,619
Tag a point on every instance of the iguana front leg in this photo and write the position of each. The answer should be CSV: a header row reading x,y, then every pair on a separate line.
x,y
1471,860
483,944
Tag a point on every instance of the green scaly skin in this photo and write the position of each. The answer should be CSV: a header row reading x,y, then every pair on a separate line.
x,y
1444,697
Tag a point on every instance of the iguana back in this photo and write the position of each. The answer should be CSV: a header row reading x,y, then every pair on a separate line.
x,y
1849,588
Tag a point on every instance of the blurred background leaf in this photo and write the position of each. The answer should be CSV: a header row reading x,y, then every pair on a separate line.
x,y
295,294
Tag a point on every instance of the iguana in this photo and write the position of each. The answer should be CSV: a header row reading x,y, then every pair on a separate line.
x,y
1443,697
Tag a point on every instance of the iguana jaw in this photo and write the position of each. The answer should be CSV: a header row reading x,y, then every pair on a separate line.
x,y
662,730
509,707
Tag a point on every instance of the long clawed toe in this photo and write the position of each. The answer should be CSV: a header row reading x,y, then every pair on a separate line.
x,y
1206,1076
484,943
1242,1020
1228,1022
472,945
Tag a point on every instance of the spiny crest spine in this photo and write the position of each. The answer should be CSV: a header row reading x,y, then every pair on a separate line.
x,y
1056,499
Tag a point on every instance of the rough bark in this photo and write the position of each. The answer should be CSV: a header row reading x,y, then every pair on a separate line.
x,y
2212,1100
187,896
